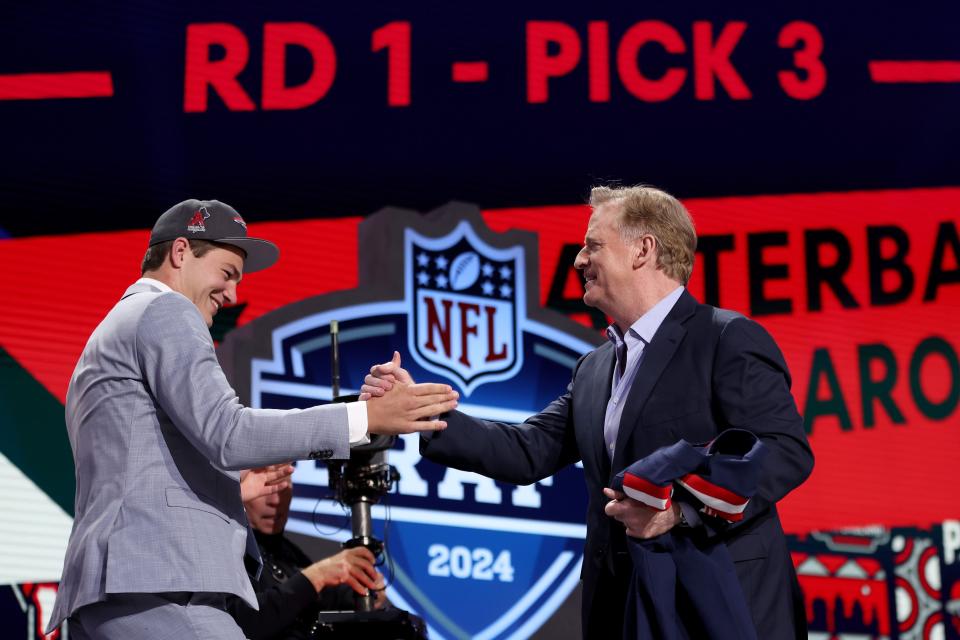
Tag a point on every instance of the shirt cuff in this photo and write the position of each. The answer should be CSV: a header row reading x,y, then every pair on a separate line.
x,y
357,422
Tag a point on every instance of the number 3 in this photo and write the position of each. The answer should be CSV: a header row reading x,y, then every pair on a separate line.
x,y
806,58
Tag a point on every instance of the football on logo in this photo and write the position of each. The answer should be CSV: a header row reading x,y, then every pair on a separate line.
x,y
464,271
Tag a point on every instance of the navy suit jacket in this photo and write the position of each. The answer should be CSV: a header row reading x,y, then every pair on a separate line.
x,y
705,370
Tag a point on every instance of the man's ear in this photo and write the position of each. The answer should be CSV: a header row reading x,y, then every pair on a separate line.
x,y
645,249
177,252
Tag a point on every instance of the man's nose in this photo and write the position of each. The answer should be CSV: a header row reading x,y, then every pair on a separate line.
x,y
580,262
273,499
230,293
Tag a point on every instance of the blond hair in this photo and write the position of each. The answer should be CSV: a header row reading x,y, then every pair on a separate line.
x,y
646,210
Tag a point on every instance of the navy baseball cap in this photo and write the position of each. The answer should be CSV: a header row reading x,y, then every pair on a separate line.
x,y
218,222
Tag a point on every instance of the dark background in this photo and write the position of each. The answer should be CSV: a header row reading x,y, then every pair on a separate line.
x,y
117,162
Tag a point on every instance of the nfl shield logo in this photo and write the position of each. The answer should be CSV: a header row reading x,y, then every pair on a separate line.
x,y
475,558
464,295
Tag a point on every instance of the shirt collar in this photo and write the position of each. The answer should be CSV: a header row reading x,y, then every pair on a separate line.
x,y
164,287
647,325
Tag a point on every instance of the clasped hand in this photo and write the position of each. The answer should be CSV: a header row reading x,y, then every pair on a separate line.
x,y
640,520
396,404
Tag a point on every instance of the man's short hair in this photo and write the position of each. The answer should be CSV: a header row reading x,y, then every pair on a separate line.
x,y
155,255
646,210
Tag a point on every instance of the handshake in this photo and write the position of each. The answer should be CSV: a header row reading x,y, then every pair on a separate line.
x,y
396,404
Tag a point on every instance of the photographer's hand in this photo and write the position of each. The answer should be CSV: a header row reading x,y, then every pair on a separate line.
x,y
264,481
353,567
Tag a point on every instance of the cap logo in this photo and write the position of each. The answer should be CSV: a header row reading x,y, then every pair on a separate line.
x,y
239,221
196,224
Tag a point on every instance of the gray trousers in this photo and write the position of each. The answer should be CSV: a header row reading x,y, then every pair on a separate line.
x,y
158,616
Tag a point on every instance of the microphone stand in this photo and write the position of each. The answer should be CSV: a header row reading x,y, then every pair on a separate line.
x,y
360,483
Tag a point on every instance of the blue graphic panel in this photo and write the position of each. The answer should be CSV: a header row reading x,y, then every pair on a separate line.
x,y
476,558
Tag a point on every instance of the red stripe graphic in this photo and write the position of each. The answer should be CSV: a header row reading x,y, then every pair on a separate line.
x,y
470,72
712,490
915,71
858,541
42,86
642,484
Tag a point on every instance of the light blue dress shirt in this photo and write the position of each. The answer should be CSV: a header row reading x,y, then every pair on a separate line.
x,y
629,352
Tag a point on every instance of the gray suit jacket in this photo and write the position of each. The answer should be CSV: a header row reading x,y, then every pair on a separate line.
x,y
155,430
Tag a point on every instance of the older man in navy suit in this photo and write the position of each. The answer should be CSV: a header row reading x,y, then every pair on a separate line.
x,y
157,434
672,369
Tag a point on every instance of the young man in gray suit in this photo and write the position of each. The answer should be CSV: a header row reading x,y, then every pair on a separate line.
x,y
159,533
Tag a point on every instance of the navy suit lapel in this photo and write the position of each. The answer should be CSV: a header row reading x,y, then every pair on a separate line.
x,y
598,392
656,357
